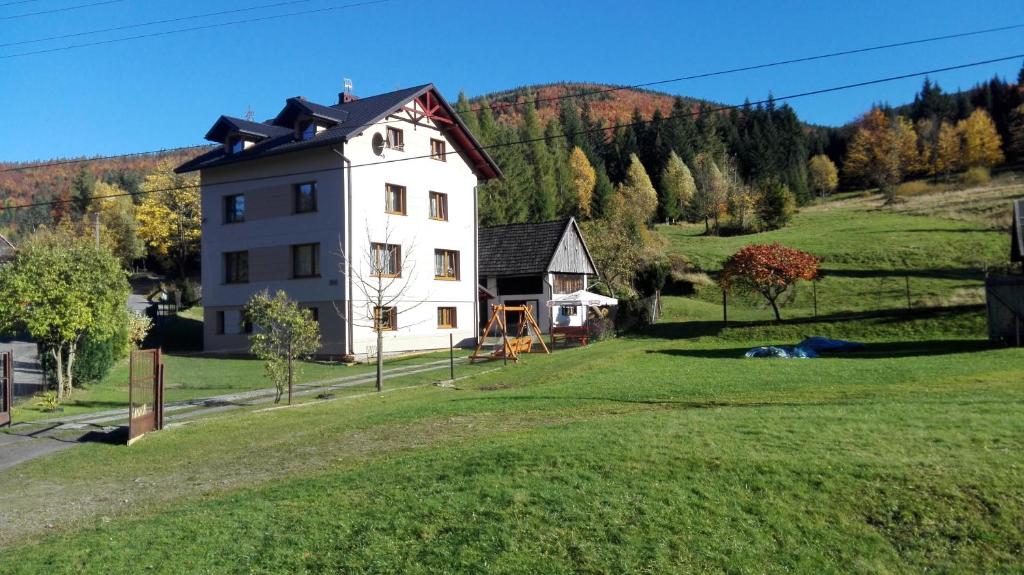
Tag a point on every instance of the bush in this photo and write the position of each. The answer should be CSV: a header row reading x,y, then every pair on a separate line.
x,y
915,188
777,204
95,357
651,279
600,328
977,176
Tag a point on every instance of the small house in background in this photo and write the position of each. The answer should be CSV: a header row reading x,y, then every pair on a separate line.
x,y
6,250
1005,293
530,264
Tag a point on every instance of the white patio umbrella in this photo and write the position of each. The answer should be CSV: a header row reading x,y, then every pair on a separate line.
x,y
583,297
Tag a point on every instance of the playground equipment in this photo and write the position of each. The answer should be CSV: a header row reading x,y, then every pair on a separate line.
x,y
510,347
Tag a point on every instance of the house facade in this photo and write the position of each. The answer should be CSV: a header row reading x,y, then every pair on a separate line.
x,y
532,264
368,201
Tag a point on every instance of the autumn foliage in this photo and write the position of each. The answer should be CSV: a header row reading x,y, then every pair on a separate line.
x,y
768,269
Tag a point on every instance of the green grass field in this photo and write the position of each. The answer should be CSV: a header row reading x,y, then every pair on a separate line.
x,y
663,452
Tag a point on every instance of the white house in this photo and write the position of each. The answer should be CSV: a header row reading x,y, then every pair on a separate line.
x,y
531,264
309,201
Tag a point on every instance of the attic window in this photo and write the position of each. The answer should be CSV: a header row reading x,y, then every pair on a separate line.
x,y
396,139
236,144
307,131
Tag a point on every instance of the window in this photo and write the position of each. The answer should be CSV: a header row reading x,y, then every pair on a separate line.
x,y
306,261
396,139
236,267
307,131
387,260
438,206
385,318
236,145
437,149
305,197
246,322
520,285
568,283
567,310
394,199
446,317
446,265
220,323
234,209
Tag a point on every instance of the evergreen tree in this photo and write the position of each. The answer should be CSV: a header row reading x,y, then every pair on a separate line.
x,y
569,118
565,201
680,130
777,204
83,188
468,116
603,191
542,200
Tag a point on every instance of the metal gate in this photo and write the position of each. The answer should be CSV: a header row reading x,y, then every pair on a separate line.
x,y
145,393
1005,296
6,387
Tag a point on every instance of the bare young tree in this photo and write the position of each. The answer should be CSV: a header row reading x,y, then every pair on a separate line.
x,y
382,274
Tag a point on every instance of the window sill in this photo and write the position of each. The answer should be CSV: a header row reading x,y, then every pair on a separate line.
x,y
304,212
235,283
441,159
445,279
390,277
227,223
394,213
438,219
313,277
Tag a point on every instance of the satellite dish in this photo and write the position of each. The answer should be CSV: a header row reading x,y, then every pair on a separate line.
x,y
378,144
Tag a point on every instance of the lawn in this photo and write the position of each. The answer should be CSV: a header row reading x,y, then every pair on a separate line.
x,y
192,376
648,454
662,452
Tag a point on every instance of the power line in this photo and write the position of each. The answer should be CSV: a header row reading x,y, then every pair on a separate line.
x,y
55,10
18,2
193,28
153,23
579,132
606,90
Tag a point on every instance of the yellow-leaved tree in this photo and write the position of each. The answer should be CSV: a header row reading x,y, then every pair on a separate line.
x,y
882,151
118,225
822,175
982,145
584,178
946,157
638,193
169,216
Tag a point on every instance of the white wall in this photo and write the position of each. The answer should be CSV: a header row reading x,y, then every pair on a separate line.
x,y
418,235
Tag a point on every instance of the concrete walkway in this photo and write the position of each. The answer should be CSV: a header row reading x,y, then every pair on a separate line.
x,y
29,440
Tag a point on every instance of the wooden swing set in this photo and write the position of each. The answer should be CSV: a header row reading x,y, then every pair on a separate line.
x,y
511,346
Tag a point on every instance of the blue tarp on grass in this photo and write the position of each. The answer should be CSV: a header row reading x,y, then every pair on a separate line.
x,y
807,349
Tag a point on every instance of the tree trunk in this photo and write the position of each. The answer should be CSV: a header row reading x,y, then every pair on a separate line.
x,y
380,360
69,383
290,372
58,358
775,308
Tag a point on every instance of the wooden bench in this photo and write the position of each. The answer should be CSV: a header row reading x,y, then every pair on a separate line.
x,y
569,333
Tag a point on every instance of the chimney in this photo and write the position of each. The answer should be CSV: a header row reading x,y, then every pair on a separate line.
x,y
347,95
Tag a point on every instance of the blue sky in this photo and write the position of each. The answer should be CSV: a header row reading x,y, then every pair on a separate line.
x,y
166,91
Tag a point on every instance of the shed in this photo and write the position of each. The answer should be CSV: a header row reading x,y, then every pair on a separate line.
x,y
533,263
1004,294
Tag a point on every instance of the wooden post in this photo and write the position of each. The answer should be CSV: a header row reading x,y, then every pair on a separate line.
x,y
907,278
451,356
725,308
814,289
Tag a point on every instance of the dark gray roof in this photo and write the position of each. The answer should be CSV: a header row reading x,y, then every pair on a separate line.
x,y
519,249
345,120
228,124
1017,250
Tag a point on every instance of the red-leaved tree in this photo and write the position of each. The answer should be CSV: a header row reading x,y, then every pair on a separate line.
x,y
768,269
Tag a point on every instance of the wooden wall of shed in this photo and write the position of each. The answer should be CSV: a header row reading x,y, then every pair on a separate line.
x,y
1005,297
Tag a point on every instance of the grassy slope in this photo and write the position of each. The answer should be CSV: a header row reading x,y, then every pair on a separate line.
x,y
653,453
868,252
642,454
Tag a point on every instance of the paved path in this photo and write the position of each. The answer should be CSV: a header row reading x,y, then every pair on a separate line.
x,y
34,439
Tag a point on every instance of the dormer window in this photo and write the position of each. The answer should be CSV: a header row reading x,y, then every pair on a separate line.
x,y
307,131
236,145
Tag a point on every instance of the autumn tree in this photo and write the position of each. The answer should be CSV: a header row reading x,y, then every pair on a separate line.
x,y
58,289
823,175
677,187
946,156
709,199
768,269
118,225
584,178
640,200
284,334
982,146
169,216
882,151
776,204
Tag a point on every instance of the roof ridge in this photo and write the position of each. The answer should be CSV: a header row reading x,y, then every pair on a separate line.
x,y
564,220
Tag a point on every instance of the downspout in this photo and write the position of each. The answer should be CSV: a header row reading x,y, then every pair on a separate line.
x,y
347,186
476,269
